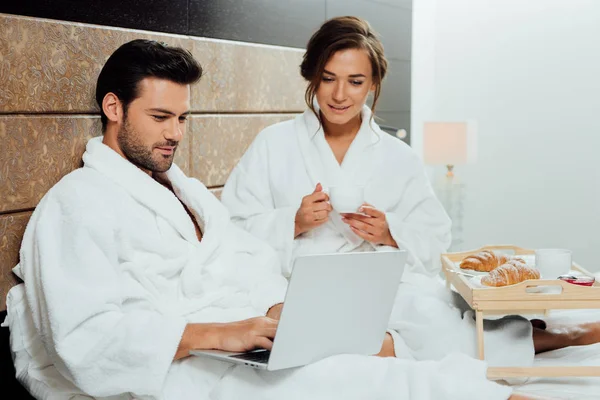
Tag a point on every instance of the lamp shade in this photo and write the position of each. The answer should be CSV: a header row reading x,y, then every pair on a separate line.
x,y
449,143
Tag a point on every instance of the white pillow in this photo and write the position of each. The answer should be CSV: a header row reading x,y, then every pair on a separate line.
x,y
17,271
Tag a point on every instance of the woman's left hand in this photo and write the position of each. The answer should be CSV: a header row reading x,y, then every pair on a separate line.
x,y
372,227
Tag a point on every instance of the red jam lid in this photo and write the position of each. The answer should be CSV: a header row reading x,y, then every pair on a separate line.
x,y
582,280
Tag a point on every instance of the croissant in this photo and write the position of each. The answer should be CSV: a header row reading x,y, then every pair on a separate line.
x,y
514,271
484,261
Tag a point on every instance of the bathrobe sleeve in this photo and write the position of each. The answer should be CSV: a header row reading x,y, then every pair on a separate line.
x,y
419,223
248,197
70,266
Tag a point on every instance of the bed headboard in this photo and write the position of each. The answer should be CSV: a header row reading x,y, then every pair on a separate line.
x,y
48,71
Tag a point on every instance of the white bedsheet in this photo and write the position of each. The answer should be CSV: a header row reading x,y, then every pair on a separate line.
x,y
557,388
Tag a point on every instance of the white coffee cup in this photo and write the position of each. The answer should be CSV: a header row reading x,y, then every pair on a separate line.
x,y
346,199
553,262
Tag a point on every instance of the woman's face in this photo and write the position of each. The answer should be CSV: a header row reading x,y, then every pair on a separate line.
x,y
345,85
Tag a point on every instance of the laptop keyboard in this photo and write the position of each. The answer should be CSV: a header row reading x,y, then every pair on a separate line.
x,y
261,356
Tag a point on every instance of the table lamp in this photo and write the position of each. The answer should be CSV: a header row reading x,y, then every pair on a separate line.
x,y
450,144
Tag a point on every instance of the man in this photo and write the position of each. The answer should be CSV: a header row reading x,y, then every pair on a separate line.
x,y
128,264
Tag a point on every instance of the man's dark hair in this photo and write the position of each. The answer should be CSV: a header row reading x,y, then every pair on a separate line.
x,y
140,59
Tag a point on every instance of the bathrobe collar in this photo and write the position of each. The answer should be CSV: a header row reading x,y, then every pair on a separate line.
x,y
368,132
141,186
322,167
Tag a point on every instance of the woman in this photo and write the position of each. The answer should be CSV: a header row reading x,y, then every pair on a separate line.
x,y
279,192
279,189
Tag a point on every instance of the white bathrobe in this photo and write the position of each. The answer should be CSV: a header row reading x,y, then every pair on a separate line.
x,y
113,271
285,163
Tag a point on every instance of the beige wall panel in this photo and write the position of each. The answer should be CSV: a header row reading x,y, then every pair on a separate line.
x,y
37,152
53,65
218,143
217,192
182,154
247,78
12,227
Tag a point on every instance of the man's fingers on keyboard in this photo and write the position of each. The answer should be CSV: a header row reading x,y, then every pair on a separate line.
x,y
267,332
264,343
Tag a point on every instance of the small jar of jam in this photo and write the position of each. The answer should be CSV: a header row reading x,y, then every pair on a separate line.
x,y
582,280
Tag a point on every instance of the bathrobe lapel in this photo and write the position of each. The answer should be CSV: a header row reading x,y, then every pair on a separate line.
x,y
321,165
142,187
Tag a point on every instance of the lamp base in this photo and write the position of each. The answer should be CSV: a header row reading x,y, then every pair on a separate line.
x,y
451,192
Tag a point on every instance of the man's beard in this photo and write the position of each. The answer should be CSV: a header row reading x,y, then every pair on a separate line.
x,y
136,152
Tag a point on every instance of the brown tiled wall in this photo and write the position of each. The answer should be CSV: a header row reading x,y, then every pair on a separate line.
x,y
48,71
36,152
215,154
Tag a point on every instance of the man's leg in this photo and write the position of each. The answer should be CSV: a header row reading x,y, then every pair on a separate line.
x,y
564,336
387,348
554,338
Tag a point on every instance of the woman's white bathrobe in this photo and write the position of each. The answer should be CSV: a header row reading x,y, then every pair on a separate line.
x,y
113,271
285,163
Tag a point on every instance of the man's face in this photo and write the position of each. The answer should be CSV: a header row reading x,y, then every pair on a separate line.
x,y
154,124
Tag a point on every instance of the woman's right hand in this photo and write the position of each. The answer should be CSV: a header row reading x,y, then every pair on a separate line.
x,y
314,211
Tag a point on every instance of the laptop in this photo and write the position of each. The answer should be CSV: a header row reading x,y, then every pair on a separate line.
x,y
335,304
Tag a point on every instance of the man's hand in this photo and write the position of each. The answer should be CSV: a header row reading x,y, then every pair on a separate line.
x,y
247,335
372,227
237,336
314,211
275,311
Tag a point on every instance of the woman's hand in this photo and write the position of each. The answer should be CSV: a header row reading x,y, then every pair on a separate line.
x,y
372,227
314,211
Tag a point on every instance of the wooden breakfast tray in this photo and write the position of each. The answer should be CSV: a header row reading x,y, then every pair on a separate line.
x,y
524,297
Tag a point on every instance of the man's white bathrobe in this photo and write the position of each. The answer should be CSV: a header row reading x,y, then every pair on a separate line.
x,y
113,271
285,163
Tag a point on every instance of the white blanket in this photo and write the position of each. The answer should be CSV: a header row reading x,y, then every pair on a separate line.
x,y
285,163
113,271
